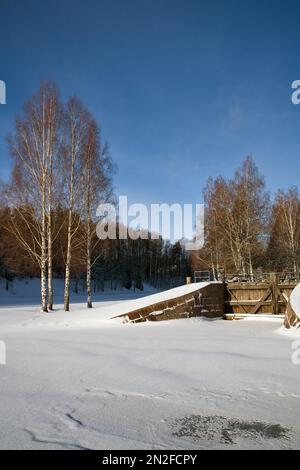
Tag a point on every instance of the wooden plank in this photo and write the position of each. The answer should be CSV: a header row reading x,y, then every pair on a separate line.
x,y
232,316
261,301
275,290
247,286
250,303
261,285
238,304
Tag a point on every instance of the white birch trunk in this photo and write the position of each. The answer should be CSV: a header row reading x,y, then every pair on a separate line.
x,y
89,269
68,267
44,255
50,275
70,219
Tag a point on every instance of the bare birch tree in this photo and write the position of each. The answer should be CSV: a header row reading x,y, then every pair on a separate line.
x,y
54,113
237,213
31,147
76,120
97,188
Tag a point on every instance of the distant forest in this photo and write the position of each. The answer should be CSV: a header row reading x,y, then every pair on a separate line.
x,y
62,169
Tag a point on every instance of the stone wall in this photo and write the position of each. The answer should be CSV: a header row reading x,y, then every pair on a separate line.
x,y
207,301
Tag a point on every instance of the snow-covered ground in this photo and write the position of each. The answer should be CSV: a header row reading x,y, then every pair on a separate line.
x,y
80,380
27,292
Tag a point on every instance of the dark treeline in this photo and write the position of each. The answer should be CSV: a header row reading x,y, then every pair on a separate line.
x,y
115,263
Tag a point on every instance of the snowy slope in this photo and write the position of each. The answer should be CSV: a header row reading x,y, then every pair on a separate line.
x,y
153,299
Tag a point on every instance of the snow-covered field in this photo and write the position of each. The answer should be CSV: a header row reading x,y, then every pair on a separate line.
x,y
79,380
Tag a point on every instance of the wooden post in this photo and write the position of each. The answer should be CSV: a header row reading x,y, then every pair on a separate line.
x,y
275,293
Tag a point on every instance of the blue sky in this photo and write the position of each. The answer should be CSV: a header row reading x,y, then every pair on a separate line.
x,y
183,89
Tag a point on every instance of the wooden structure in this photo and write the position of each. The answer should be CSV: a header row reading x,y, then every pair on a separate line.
x,y
268,296
205,301
202,276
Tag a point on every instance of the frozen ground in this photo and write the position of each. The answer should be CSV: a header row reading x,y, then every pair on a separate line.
x,y
81,381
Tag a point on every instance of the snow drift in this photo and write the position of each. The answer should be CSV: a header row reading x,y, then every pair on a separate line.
x,y
292,319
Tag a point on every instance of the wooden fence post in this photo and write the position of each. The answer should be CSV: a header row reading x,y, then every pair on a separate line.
x,y
275,293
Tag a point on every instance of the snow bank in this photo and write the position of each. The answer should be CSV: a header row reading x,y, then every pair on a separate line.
x,y
295,300
292,318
